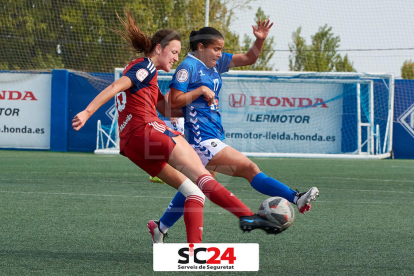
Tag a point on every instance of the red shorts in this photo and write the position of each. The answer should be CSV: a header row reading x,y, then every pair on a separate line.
x,y
150,147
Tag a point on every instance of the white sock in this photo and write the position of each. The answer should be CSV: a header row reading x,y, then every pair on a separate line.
x,y
295,199
163,227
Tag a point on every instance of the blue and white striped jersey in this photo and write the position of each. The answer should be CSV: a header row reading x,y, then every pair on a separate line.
x,y
202,122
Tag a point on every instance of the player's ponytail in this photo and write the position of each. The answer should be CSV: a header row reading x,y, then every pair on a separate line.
x,y
141,43
193,42
205,36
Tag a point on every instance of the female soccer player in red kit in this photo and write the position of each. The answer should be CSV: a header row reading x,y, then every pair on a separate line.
x,y
149,143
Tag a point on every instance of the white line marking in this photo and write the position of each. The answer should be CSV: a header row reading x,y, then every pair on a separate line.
x,y
73,194
369,179
40,179
370,191
364,202
206,206
67,172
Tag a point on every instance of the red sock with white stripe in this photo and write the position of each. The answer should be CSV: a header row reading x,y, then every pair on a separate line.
x,y
193,210
193,218
222,197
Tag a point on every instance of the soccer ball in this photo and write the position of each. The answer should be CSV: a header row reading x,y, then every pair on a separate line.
x,y
277,210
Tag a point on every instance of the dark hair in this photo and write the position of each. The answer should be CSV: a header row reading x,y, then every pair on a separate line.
x,y
140,42
205,36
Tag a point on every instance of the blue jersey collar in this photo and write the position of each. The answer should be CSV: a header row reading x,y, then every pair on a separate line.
x,y
191,55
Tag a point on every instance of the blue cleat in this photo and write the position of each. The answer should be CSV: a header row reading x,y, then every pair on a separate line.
x,y
249,223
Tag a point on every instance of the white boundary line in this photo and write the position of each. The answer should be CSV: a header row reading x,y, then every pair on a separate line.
x,y
213,211
369,179
370,191
73,194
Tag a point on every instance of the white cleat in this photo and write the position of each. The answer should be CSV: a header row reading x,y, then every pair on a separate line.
x,y
304,199
154,228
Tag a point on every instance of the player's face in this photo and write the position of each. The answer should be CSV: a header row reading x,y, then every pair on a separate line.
x,y
210,54
169,55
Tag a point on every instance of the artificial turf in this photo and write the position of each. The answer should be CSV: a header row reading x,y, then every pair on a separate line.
x,y
86,214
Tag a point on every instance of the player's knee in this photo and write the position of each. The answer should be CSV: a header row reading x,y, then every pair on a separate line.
x,y
190,190
248,171
252,168
213,174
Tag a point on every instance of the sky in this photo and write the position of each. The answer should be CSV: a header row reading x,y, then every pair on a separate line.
x,y
372,33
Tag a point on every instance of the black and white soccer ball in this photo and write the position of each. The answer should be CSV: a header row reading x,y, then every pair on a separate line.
x,y
278,210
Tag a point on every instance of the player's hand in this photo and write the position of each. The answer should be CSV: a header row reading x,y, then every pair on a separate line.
x,y
174,121
262,29
79,120
208,95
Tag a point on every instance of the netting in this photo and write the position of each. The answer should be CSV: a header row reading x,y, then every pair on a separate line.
x,y
107,140
322,35
38,35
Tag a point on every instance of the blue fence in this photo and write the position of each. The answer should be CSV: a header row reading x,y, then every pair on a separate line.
x,y
71,93
403,135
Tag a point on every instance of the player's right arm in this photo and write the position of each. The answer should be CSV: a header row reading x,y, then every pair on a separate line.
x,y
108,93
249,58
186,75
179,98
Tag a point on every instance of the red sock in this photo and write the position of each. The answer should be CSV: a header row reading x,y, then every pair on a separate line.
x,y
193,218
222,197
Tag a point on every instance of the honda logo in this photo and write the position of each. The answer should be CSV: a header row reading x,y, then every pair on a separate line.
x,y
237,100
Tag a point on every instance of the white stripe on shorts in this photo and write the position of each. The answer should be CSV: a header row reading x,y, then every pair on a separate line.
x,y
157,126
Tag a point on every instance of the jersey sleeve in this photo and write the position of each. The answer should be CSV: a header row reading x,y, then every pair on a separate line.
x,y
181,78
141,72
224,62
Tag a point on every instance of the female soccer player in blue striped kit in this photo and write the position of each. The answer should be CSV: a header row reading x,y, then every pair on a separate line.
x,y
195,87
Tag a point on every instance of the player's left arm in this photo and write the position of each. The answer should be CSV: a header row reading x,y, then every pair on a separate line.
x,y
108,93
164,108
260,32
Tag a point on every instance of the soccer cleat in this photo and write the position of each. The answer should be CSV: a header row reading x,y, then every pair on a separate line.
x,y
249,223
156,180
154,228
304,199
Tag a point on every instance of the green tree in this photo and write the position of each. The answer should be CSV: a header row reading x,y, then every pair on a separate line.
x,y
344,64
263,62
321,55
298,48
37,34
77,34
407,70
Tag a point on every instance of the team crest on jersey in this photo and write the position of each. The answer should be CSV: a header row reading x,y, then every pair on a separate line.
x,y
182,75
142,74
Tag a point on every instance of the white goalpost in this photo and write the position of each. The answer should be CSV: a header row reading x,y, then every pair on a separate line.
x,y
297,114
348,115
107,137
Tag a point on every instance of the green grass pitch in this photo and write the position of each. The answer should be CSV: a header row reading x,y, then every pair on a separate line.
x,y
85,214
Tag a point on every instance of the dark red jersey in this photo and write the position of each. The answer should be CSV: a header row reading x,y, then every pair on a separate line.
x,y
137,105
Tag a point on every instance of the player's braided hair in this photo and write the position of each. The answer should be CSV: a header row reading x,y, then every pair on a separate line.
x,y
140,42
205,36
